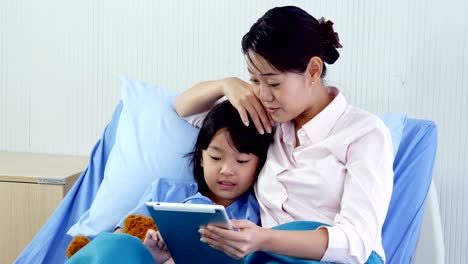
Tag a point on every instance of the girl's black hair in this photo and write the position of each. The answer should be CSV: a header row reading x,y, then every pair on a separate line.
x,y
288,37
244,139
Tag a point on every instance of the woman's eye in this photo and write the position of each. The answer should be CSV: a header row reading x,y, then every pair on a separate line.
x,y
215,158
254,81
274,85
242,161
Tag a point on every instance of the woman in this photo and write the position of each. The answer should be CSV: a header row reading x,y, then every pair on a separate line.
x,y
330,162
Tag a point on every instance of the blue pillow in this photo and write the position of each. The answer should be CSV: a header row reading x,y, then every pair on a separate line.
x,y
151,141
395,124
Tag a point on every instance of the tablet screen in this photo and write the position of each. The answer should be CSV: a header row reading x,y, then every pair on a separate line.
x,y
179,223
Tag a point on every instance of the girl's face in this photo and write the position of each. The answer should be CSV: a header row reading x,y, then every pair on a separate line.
x,y
228,172
286,96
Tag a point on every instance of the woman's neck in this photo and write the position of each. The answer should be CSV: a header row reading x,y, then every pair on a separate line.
x,y
324,100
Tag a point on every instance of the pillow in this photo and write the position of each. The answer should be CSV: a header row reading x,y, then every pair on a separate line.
x,y
395,124
151,141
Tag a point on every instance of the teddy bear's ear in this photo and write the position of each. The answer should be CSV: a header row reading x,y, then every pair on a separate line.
x,y
137,225
76,244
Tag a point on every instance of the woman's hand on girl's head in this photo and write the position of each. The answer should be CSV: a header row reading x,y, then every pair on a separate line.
x,y
248,238
243,98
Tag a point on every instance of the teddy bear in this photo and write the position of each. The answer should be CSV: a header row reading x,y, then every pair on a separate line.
x,y
134,224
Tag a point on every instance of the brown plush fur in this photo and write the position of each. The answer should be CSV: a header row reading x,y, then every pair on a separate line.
x,y
135,225
76,244
138,225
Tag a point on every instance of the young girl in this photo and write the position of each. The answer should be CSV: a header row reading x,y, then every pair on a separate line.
x,y
226,159
330,162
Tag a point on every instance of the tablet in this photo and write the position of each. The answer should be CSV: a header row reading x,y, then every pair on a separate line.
x,y
179,223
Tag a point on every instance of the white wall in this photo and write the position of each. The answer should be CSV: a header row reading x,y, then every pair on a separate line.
x,y
60,59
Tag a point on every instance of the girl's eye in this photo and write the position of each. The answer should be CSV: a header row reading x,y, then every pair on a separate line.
x,y
274,85
242,161
215,158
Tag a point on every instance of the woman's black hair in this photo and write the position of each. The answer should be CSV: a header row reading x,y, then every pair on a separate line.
x,y
288,37
244,139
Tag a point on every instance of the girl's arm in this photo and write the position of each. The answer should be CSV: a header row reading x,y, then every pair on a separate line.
x,y
250,238
203,96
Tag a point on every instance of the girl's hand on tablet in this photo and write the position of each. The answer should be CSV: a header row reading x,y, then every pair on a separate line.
x,y
155,244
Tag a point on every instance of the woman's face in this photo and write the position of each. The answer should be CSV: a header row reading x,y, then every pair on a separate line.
x,y
286,96
228,173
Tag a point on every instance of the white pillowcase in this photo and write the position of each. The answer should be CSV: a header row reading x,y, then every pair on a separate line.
x,y
151,141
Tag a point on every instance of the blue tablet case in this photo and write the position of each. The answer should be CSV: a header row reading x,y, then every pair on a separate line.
x,y
179,230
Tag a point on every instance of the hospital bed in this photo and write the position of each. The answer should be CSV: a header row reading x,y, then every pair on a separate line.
x,y
406,237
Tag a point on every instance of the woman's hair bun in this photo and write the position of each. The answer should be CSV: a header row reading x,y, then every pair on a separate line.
x,y
332,40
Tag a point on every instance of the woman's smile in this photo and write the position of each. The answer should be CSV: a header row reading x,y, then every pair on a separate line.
x,y
272,110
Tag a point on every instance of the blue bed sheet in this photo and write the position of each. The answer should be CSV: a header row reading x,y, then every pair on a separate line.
x,y
50,243
413,167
